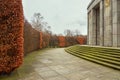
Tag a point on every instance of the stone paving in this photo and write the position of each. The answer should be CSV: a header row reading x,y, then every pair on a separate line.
x,y
56,64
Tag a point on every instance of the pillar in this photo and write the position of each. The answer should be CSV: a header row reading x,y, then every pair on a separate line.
x,y
101,23
93,31
107,23
116,22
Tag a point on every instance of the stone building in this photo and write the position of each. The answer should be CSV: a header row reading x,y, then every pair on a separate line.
x,y
104,23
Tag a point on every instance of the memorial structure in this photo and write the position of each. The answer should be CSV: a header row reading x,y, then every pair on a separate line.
x,y
104,23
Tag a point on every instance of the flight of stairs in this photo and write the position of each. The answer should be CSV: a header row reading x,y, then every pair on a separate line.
x,y
105,56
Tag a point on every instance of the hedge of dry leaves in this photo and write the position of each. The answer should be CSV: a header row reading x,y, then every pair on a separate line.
x,y
31,38
11,35
61,41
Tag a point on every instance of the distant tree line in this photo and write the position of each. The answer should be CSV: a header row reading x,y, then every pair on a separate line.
x,y
45,36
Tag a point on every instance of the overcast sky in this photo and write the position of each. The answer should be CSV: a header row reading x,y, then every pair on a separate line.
x,y
60,14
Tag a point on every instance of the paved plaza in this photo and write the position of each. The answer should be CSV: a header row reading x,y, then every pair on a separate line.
x,y
56,64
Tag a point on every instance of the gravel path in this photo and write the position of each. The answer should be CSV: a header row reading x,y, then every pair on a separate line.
x,y
56,64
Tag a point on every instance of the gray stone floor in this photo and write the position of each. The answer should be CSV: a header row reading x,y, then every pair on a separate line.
x,y
56,64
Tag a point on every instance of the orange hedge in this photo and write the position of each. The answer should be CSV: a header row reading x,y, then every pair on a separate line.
x,y
70,40
46,39
27,37
11,35
34,39
41,40
61,41
31,38
81,40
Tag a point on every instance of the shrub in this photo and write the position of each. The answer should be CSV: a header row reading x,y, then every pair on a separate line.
x,y
31,38
41,40
81,40
11,35
61,41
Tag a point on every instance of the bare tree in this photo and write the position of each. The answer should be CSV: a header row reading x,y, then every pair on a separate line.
x,y
37,21
45,24
68,32
77,32
47,30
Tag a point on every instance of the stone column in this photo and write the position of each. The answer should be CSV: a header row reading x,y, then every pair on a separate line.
x,y
101,23
116,22
107,23
90,28
93,27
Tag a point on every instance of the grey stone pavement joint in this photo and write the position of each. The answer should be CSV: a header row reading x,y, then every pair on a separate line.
x,y
56,64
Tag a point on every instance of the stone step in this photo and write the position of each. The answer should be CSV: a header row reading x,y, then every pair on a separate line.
x,y
100,55
99,58
90,51
105,58
103,54
96,49
97,61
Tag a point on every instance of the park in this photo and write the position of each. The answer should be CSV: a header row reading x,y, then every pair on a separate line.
x,y
31,50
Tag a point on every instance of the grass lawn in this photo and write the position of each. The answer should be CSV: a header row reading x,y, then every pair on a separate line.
x,y
25,68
